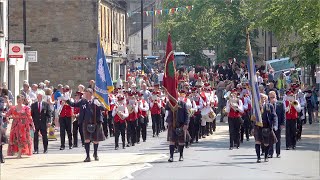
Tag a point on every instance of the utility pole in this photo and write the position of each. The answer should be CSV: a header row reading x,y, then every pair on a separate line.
x,y
24,5
142,58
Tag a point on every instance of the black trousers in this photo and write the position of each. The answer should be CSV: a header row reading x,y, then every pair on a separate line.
x,y
310,111
197,124
156,124
278,144
65,125
299,128
162,128
43,131
245,127
191,128
76,127
234,131
142,128
291,132
132,132
105,126
111,124
120,128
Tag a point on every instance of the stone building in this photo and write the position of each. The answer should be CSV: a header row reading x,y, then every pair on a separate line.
x,y
65,34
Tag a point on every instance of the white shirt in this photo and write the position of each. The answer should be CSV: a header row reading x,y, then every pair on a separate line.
x,y
160,76
33,96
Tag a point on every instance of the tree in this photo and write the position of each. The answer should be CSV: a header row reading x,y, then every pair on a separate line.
x,y
211,24
295,23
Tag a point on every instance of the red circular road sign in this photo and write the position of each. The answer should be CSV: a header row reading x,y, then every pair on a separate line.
x,y
15,49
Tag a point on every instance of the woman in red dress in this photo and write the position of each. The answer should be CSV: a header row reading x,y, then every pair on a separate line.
x,y
20,140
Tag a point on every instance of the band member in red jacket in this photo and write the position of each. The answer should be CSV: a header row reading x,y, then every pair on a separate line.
x,y
143,108
120,113
234,109
155,105
65,121
132,120
292,109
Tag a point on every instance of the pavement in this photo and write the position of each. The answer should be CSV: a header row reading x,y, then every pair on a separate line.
x,y
209,159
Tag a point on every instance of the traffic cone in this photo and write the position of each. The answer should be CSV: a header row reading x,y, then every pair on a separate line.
x,y
52,136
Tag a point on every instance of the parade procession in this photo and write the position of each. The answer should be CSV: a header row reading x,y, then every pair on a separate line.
x,y
228,90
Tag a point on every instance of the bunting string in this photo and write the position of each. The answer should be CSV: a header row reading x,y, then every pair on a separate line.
x,y
159,12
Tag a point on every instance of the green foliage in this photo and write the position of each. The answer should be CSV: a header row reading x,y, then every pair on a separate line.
x,y
212,24
295,23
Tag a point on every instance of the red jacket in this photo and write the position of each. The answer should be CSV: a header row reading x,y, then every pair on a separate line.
x,y
155,109
66,111
140,112
292,114
118,119
234,114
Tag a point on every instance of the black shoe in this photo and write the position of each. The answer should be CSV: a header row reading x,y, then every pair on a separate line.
x,y
203,136
247,139
96,158
45,151
287,148
238,147
153,136
278,156
270,156
75,146
116,148
70,147
123,147
133,144
197,141
170,160
266,160
2,160
87,159
144,140
230,148
62,148
181,158
294,147
138,142
36,152
258,160
262,154
128,145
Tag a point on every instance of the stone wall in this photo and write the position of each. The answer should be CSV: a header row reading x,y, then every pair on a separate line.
x,y
64,32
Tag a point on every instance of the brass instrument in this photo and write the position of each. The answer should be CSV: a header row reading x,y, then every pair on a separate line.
x,y
191,112
120,111
212,115
234,102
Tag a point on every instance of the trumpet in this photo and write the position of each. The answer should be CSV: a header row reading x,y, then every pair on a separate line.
x,y
295,103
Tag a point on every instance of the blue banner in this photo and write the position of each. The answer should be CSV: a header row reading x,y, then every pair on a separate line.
x,y
256,113
103,85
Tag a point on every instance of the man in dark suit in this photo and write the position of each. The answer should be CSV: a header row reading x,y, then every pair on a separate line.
x,y
41,113
280,111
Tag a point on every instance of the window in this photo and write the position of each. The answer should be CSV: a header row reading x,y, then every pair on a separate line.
x,y
145,44
1,18
101,23
109,14
123,30
105,23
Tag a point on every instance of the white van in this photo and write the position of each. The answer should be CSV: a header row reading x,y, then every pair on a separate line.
x,y
279,66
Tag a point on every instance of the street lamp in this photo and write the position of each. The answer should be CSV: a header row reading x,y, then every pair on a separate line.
x,y
142,58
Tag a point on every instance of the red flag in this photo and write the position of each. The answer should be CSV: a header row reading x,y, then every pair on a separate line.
x,y
170,81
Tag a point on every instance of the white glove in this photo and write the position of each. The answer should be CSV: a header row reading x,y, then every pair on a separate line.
x,y
275,128
96,102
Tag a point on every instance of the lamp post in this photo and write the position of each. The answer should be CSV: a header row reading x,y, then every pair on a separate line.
x,y
142,58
